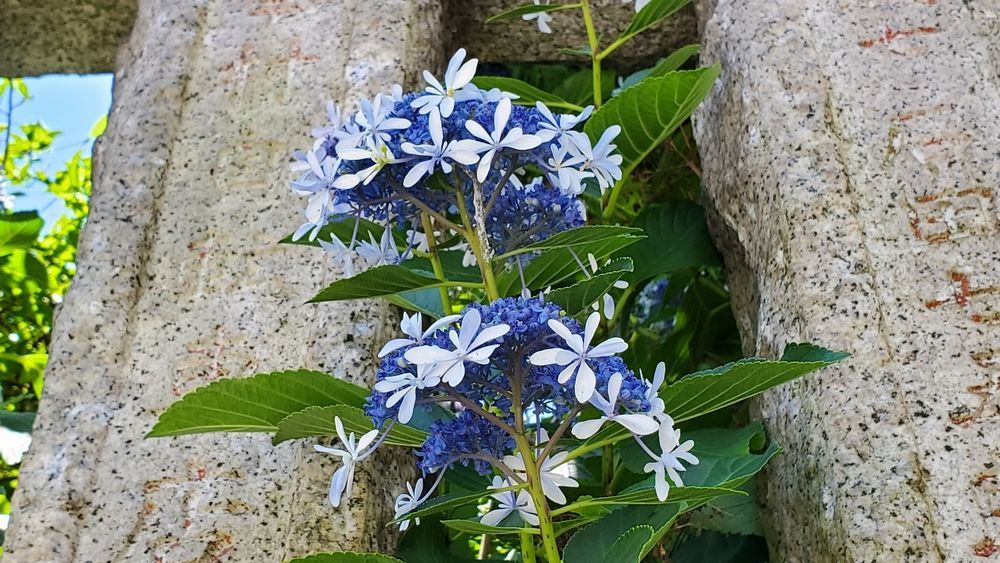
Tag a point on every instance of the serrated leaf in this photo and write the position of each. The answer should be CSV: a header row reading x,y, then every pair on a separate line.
x,y
527,94
254,404
580,296
675,60
605,531
377,282
706,391
426,301
653,13
729,515
644,493
346,557
581,236
528,9
561,262
804,352
319,421
725,457
19,230
447,502
478,528
720,548
676,237
650,111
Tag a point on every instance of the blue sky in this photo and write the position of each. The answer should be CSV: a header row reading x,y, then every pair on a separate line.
x,y
68,103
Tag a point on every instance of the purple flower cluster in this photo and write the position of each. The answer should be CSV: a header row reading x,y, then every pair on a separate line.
x,y
469,436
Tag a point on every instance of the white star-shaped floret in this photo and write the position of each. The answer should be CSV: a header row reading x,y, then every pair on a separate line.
x,y
543,18
413,326
555,126
376,151
438,153
669,462
382,252
656,404
408,501
339,251
404,389
490,144
470,346
552,474
564,175
444,96
576,354
636,423
598,158
374,118
639,4
508,502
352,452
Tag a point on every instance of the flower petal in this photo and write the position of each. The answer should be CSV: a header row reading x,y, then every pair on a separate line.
x,y
587,428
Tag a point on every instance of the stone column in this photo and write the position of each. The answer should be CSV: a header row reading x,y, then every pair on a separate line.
x,y
180,282
851,173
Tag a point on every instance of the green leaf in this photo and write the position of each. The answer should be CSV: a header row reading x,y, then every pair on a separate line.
x,y
17,421
802,352
579,236
601,536
710,390
579,297
254,404
527,94
560,262
720,548
725,457
346,557
675,60
676,237
652,14
19,230
650,111
377,282
426,301
319,421
98,129
729,515
477,528
644,493
447,502
528,9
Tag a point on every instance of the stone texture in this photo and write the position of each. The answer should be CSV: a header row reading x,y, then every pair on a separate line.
x,y
520,41
77,36
851,168
180,282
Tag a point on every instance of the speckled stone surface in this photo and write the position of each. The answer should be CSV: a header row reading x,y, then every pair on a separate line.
x,y
518,40
180,282
850,152
78,36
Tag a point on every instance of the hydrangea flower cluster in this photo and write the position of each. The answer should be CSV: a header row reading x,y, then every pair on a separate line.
x,y
456,161
505,369
451,150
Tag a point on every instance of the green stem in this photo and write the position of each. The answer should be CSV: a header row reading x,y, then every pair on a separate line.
x,y
485,265
528,548
595,60
436,261
609,208
538,497
607,467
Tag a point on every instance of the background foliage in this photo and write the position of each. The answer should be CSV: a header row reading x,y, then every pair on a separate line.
x,y
36,267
